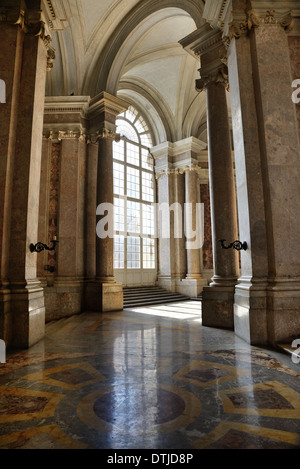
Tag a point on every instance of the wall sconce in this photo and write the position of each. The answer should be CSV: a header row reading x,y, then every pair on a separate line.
x,y
238,245
38,247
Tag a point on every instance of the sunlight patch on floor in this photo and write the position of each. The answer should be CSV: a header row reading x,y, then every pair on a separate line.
x,y
190,310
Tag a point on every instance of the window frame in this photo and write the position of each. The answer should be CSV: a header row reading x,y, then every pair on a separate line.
x,y
144,133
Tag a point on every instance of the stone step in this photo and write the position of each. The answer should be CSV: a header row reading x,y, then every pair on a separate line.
x,y
155,298
148,294
145,296
153,302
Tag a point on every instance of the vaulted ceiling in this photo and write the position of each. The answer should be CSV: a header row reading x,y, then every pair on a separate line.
x,y
130,48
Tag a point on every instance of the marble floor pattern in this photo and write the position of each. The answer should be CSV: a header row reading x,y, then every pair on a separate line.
x,y
148,378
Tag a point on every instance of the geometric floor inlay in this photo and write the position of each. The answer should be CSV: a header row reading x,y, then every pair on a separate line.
x,y
128,381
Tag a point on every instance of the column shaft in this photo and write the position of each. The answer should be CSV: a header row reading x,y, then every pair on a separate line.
x,y
218,298
192,189
105,246
222,186
104,293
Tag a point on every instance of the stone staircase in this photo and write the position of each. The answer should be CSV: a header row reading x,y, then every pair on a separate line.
x,y
146,296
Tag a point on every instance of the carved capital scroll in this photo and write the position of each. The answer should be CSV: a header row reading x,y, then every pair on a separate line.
x,y
217,76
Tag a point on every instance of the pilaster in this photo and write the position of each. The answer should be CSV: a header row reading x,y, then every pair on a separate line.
x,y
267,303
63,214
28,54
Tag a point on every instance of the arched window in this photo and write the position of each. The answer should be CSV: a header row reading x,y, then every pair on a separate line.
x,y
134,197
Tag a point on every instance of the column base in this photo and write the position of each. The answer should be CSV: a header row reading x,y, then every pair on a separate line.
x,y
191,286
28,315
217,307
283,316
104,296
250,313
64,298
6,327
168,282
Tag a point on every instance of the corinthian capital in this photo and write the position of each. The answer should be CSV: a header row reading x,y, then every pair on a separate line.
x,y
217,76
31,21
245,21
104,133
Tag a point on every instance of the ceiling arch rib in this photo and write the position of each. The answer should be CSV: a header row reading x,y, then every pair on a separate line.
x,y
153,62
194,117
141,92
102,60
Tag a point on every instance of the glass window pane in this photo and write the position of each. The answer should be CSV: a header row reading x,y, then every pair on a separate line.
x,y
119,252
131,114
132,154
148,219
119,214
133,183
147,187
146,140
133,217
140,125
147,160
133,252
148,253
118,150
125,129
118,178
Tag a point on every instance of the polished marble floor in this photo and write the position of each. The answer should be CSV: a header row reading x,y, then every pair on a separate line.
x,y
148,378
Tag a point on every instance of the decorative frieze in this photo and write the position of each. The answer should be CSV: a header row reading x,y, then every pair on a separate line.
x,y
58,135
201,173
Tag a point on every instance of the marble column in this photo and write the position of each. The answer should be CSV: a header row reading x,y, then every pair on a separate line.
x,y
104,294
218,297
180,258
267,298
193,282
23,65
180,265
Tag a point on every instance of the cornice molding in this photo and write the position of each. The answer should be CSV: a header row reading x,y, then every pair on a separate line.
x,y
55,14
105,102
173,149
217,12
66,104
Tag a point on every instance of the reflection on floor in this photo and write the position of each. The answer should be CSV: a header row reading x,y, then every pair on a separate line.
x,y
148,378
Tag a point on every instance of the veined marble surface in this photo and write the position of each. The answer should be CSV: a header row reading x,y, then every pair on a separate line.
x,y
148,378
